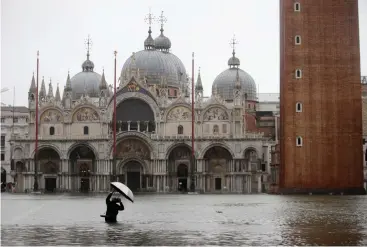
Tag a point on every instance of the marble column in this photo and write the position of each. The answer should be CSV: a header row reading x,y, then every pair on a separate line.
x,y
259,184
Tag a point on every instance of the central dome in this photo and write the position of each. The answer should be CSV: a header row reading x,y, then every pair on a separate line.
x,y
153,65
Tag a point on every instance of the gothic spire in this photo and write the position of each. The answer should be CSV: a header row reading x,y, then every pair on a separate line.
x,y
199,84
68,83
33,84
57,96
103,83
42,92
50,90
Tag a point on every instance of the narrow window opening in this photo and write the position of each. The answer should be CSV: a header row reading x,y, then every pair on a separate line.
x,y
86,130
297,7
299,141
52,131
298,39
180,130
299,107
298,74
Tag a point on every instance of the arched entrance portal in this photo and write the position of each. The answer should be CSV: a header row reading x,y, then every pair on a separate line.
x,y
133,172
3,179
82,162
216,161
132,152
182,175
135,115
49,162
179,161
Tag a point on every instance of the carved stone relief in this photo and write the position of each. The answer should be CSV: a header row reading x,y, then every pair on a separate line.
x,y
85,114
215,114
132,147
51,116
179,113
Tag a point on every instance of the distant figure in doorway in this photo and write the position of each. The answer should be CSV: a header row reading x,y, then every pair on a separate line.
x,y
113,207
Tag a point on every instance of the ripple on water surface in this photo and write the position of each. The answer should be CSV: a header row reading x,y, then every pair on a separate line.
x,y
185,220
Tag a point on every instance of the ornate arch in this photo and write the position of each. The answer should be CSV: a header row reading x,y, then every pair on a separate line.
x,y
129,158
15,152
134,95
176,145
217,144
181,115
80,144
48,145
250,148
51,114
212,106
95,115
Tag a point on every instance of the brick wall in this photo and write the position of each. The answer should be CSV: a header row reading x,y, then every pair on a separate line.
x,y
329,90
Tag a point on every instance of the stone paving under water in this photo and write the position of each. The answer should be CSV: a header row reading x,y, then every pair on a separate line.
x,y
185,220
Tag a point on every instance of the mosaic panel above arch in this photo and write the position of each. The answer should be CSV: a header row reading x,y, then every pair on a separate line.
x,y
51,116
85,114
132,147
215,114
179,113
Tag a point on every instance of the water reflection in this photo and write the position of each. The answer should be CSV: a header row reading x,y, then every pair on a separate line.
x,y
325,221
186,220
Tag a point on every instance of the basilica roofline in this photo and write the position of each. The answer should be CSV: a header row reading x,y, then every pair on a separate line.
x,y
252,136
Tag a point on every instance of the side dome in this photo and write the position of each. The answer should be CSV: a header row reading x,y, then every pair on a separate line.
x,y
226,80
153,65
86,82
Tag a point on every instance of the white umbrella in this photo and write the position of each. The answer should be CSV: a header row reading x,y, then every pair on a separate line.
x,y
123,190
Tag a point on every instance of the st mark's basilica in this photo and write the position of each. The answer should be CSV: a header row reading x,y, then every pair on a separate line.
x,y
75,149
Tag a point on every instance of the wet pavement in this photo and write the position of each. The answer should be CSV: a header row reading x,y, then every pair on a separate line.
x,y
185,220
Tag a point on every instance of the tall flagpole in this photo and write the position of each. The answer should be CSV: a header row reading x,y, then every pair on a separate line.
x,y
114,122
35,185
192,185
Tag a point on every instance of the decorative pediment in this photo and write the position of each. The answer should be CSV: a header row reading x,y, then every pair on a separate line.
x,y
215,114
51,116
85,114
133,86
179,113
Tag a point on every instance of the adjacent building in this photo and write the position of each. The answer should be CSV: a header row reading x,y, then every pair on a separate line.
x,y
320,100
14,123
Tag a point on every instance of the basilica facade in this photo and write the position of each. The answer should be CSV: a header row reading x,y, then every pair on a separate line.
x,y
154,134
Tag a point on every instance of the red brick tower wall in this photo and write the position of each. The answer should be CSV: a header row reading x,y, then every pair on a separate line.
x,y
330,123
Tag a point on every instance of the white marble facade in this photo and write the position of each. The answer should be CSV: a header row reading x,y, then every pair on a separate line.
x,y
153,131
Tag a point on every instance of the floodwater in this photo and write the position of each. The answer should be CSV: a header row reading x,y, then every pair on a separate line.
x,y
185,220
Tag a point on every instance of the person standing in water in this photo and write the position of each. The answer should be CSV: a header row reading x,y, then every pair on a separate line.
x,y
113,208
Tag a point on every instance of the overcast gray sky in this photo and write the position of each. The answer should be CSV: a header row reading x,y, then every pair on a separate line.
x,y
58,29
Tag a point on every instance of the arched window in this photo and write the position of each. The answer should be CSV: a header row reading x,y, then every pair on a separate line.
x,y
297,39
180,130
52,131
297,7
215,129
299,141
298,73
299,107
86,130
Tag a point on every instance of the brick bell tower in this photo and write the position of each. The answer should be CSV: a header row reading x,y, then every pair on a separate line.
x,y
320,98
